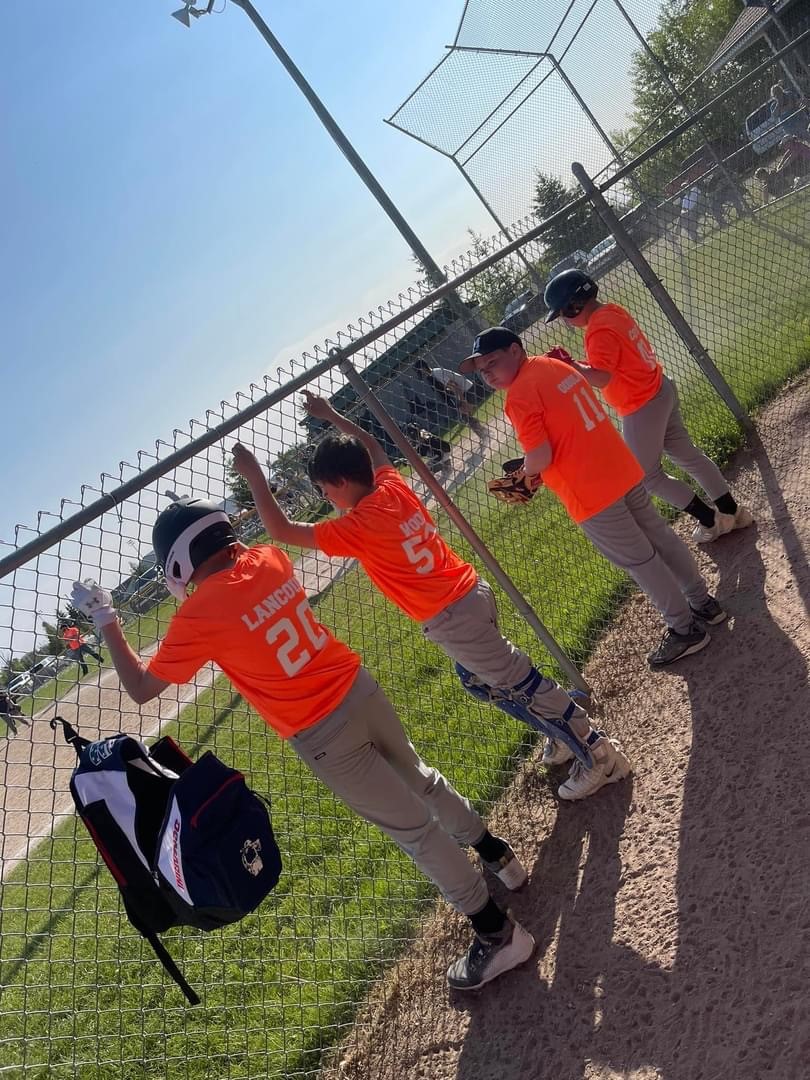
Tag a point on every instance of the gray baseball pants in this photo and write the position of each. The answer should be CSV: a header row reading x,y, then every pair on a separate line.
x,y
657,428
361,752
633,535
467,631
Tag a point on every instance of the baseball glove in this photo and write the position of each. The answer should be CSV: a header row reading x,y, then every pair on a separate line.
x,y
514,487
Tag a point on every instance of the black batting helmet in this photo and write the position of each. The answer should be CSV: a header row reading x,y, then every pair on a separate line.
x,y
187,533
570,289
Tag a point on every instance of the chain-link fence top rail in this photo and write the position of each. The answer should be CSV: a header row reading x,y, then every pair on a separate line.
x,y
79,996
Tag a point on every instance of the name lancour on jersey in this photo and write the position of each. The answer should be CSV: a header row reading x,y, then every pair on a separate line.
x,y
413,525
569,383
271,604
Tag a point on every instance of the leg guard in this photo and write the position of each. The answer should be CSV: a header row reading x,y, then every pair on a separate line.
x,y
516,703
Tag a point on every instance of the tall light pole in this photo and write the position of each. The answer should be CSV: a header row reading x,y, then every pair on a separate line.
x,y
434,271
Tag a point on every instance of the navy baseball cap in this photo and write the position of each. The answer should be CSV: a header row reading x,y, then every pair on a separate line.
x,y
489,341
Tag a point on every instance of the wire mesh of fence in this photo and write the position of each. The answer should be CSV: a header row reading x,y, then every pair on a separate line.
x,y
80,995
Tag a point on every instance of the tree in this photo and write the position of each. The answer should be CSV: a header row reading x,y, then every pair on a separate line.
x,y
687,36
492,288
239,488
424,281
581,228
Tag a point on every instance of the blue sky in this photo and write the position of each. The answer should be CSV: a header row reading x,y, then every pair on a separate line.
x,y
178,222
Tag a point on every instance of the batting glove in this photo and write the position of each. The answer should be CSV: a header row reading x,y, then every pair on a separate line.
x,y
93,601
559,353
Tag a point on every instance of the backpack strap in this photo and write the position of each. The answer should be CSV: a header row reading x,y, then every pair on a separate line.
x,y
72,737
169,965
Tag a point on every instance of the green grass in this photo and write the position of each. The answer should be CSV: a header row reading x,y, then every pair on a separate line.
x,y
82,996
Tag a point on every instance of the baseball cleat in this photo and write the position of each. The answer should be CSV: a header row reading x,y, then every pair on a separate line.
x,y
555,752
675,646
610,766
709,613
508,869
490,955
723,523
743,518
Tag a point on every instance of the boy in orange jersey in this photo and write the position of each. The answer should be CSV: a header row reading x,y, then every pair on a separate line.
x,y
250,615
390,531
572,447
622,364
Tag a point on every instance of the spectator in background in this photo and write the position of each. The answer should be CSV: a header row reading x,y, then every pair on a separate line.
x,y
787,108
72,637
452,388
793,164
690,209
10,711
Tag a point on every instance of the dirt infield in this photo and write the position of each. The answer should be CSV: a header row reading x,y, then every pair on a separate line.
x,y
672,913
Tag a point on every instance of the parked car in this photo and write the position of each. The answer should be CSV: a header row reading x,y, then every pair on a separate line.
x,y
765,130
150,593
25,682
522,311
577,260
604,256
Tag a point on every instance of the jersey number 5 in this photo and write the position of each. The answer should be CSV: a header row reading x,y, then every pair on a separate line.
x,y
291,654
417,552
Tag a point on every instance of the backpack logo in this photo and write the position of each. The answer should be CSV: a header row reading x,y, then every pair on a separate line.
x,y
99,751
251,857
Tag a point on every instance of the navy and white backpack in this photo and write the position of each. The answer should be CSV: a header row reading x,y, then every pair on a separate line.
x,y
188,842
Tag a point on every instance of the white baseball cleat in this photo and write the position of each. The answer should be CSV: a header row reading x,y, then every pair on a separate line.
x,y
743,518
490,955
723,523
508,869
610,765
556,752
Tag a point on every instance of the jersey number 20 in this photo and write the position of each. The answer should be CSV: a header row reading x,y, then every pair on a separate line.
x,y
292,654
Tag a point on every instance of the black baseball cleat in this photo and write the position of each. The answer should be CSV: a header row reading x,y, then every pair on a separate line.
x,y
710,613
675,646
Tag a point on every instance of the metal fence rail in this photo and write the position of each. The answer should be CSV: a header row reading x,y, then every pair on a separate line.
x,y
80,994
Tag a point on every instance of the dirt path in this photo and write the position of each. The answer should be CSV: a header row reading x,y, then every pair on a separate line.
x,y
35,765
672,913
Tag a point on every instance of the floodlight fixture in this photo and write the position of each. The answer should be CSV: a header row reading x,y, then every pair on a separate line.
x,y
184,14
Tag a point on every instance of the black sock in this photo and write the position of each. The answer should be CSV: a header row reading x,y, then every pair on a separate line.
x,y
490,847
489,920
698,509
726,504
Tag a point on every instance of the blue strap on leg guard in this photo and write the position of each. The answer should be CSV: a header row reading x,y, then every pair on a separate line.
x,y
516,702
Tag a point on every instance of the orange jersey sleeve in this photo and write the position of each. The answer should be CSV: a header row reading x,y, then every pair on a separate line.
x,y
591,465
391,533
614,342
255,622
72,636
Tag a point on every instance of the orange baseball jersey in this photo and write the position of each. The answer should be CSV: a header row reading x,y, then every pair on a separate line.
x,y
254,621
614,342
394,538
591,465
72,637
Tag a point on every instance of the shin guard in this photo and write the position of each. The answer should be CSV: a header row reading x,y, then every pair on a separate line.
x,y
516,702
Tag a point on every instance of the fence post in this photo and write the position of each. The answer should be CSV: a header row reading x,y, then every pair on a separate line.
x,y
665,301
376,407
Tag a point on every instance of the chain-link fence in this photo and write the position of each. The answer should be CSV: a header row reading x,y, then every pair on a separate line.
x,y
81,993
